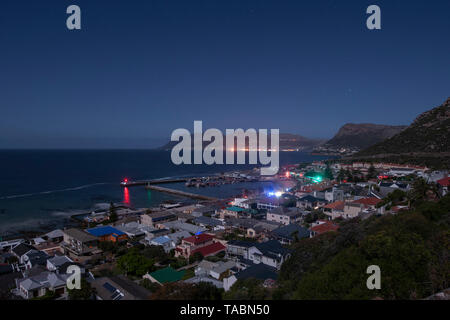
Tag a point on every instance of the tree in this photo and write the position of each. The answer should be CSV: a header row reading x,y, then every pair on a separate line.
x,y
295,236
112,213
371,173
49,295
247,289
349,175
395,197
187,291
195,257
156,253
150,286
423,191
411,248
109,246
341,175
85,293
328,174
134,263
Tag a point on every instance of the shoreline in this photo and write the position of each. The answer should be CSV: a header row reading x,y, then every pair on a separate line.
x,y
38,225
74,221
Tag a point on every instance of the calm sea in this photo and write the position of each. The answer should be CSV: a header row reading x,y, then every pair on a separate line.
x,y
42,188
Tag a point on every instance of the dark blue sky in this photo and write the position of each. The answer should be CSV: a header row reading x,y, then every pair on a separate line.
x,y
140,69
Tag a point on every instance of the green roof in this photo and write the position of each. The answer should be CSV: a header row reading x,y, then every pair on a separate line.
x,y
237,209
167,275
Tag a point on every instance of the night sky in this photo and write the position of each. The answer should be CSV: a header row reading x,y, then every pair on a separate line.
x,y
139,69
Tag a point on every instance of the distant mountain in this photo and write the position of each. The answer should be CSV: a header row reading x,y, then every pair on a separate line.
x,y
295,141
287,142
428,135
359,136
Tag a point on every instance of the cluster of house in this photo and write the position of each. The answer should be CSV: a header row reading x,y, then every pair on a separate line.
x,y
249,236
40,265
349,200
30,270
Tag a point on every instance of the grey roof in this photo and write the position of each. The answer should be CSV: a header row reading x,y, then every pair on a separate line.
x,y
58,233
29,284
34,271
159,231
179,235
21,249
208,221
223,266
184,226
290,212
272,248
240,243
58,261
43,280
37,258
80,235
245,261
207,265
310,198
287,231
198,279
242,222
204,209
258,271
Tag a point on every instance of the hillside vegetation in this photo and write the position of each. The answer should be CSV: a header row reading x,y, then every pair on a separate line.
x,y
425,141
411,248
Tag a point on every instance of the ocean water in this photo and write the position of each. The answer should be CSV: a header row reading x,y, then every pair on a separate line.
x,y
40,189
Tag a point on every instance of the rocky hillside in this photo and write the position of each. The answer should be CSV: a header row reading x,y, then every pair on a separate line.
x,y
359,136
429,133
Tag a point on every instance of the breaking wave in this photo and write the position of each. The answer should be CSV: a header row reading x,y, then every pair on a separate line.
x,y
51,191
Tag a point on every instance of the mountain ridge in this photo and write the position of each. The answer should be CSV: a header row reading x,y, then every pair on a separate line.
x,y
288,141
353,137
428,137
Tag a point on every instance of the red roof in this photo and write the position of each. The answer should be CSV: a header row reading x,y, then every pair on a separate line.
x,y
372,201
200,238
210,249
325,227
444,182
338,205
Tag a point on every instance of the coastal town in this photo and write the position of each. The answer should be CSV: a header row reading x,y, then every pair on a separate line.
x,y
127,253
